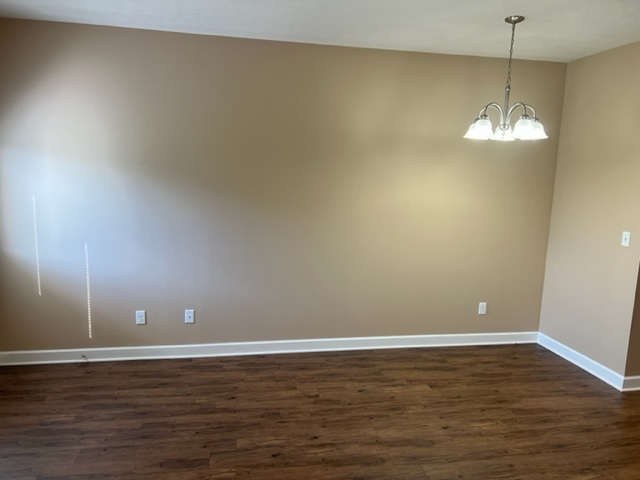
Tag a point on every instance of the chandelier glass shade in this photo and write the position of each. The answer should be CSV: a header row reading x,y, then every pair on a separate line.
x,y
528,127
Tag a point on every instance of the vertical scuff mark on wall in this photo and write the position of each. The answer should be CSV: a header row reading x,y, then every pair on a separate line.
x,y
37,248
86,261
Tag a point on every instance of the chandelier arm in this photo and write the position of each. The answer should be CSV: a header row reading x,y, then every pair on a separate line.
x,y
533,110
524,107
495,105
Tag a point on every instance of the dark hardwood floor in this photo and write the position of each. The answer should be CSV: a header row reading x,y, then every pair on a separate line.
x,y
504,412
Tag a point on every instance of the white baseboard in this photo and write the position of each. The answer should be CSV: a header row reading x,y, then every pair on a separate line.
x,y
28,357
594,368
77,355
631,384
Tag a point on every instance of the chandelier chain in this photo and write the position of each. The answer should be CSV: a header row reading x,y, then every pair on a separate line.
x,y
513,36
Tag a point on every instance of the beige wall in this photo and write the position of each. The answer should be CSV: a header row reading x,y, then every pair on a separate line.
x,y
633,355
282,190
590,280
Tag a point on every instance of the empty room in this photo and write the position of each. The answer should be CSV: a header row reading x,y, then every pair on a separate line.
x,y
319,239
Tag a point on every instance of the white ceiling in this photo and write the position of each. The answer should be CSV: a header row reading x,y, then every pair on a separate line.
x,y
558,30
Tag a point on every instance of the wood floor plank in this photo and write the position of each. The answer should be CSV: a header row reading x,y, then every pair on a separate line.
x,y
499,412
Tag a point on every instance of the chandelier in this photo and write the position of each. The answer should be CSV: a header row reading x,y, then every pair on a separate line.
x,y
528,127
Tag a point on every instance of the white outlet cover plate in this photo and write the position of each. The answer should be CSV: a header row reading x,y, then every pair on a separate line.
x,y
141,317
626,239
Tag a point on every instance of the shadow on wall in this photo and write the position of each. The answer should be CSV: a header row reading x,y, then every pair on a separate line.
x,y
180,199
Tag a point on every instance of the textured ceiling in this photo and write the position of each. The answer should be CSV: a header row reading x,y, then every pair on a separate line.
x,y
558,30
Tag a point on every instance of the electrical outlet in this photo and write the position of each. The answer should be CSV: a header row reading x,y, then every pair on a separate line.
x,y
141,317
189,316
482,308
626,239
